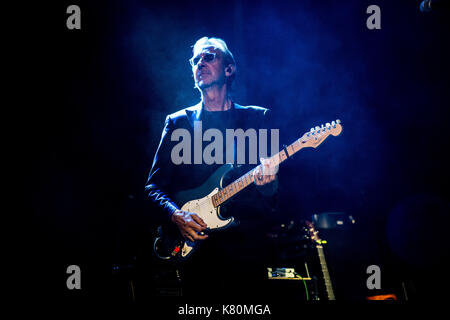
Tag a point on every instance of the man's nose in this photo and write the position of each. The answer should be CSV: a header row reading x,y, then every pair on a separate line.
x,y
201,63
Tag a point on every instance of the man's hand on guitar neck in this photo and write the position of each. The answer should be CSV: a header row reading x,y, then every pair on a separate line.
x,y
265,173
189,224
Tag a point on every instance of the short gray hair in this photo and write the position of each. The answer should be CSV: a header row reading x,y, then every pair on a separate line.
x,y
216,43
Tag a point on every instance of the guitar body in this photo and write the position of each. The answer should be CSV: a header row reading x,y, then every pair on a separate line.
x,y
199,201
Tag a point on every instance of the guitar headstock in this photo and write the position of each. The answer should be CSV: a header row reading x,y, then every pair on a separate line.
x,y
313,233
317,135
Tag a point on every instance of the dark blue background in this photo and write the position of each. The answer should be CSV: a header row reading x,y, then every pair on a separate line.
x,y
100,96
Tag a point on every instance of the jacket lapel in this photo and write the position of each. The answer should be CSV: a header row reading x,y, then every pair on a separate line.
x,y
194,113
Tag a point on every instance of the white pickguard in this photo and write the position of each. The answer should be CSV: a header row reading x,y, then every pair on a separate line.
x,y
204,208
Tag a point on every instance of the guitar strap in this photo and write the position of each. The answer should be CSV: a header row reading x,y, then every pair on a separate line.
x,y
287,154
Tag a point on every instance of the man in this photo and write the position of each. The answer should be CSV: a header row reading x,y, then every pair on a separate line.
x,y
225,252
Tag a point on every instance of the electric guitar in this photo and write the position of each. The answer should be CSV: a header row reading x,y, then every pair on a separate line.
x,y
323,263
207,199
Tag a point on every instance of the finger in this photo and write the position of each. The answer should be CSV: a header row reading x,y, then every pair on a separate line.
x,y
269,166
192,234
195,226
257,175
263,167
202,237
199,220
258,179
267,179
188,236
270,169
196,236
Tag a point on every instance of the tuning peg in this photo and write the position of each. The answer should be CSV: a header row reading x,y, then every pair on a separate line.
x,y
338,121
312,131
317,128
328,125
333,124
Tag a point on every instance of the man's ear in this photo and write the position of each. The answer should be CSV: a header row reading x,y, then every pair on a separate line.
x,y
229,70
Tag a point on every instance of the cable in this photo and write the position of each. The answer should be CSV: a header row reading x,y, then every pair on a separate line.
x,y
306,287
306,290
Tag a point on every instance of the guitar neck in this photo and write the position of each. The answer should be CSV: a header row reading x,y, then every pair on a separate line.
x,y
310,139
247,179
326,275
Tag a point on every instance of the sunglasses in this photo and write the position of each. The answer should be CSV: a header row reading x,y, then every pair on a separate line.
x,y
207,57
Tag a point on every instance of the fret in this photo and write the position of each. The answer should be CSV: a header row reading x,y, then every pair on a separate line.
x,y
297,145
219,201
282,156
292,149
275,159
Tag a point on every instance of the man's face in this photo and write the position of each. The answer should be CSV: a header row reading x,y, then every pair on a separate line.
x,y
208,70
